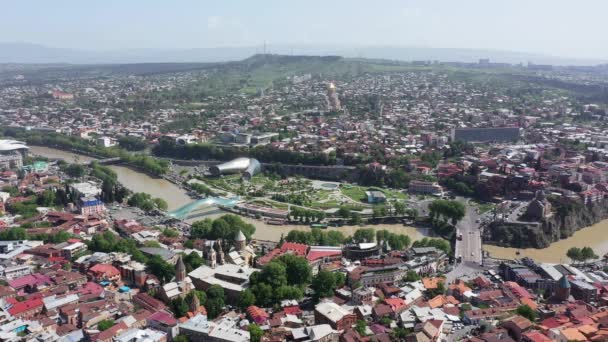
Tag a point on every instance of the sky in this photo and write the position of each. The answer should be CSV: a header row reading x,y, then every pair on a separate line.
x,y
553,27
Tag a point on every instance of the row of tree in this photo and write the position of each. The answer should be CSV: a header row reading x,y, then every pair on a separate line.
x,y
445,210
146,163
581,254
266,153
225,228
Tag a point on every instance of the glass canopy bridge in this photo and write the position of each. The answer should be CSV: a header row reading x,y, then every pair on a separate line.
x,y
190,209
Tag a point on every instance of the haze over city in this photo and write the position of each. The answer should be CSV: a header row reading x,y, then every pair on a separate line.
x,y
546,27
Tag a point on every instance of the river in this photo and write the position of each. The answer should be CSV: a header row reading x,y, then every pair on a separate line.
x,y
134,180
176,198
595,237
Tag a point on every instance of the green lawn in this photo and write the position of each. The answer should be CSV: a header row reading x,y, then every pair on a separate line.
x,y
356,193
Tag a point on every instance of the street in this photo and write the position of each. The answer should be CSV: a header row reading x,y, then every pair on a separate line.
x,y
469,246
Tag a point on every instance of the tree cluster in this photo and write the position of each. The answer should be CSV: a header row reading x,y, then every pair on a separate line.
x,y
437,243
145,202
316,237
447,210
306,215
225,228
395,241
581,254
283,278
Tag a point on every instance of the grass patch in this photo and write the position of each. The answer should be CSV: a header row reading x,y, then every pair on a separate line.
x,y
354,192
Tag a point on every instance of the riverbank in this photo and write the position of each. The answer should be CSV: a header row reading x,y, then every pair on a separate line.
x,y
594,236
177,197
132,178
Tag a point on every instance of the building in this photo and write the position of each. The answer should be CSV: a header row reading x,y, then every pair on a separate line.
x,y
86,189
562,290
198,328
105,272
13,272
106,141
362,250
11,161
375,196
583,291
489,134
232,278
249,167
9,146
73,249
164,322
334,315
333,102
91,206
182,284
316,333
370,276
423,187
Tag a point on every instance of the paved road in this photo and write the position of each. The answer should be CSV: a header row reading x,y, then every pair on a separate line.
x,y
469,247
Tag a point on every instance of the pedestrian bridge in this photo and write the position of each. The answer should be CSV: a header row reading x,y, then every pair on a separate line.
x,y
184,212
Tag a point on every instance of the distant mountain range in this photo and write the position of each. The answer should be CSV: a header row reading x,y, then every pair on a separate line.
x,y
40,54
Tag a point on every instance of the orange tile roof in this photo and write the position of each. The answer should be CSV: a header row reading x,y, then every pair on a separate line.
x,y
572,334
431,283
529,302
437,302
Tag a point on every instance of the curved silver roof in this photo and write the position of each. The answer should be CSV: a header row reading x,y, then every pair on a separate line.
x,y
253,168
248,166
12,145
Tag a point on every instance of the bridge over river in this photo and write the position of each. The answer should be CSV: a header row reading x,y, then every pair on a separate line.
x,y
189,210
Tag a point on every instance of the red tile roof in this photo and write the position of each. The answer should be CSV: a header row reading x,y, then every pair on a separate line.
x,y
105,269
163,317
21,307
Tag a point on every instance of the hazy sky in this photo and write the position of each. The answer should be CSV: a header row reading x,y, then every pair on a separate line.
x,y
556,27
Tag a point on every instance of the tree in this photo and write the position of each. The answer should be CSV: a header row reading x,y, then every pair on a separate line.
x,y
160,204
75,170
105,324
361,327
246,299
179,307
445,209
132,143
575,254
324,284
355,219
47,198
411,276
526,311
255,332
364,235
274,274
160,268
215,301
344,212
193,261
587,253
297,269
263,294
181,338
